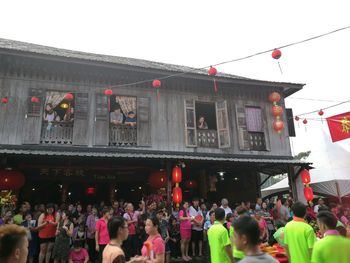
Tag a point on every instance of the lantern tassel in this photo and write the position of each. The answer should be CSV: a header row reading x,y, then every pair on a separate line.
x,y
109,103
158,94
215,86
279,65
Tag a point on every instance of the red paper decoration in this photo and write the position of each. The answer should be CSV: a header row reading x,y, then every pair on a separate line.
x,y
297,118
156,83
177,195
305,176
191,184
305,121
274,97
34,99
177,175
11,180
278,126
321,113
90,190
158,179
212,71
69,96
108,92
277,110
308,193
4,100
276,54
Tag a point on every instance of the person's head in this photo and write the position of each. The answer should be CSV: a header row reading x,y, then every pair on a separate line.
x,y
342,231
118,228
8,220
195,201
129,207
185,205
224,202
115,205
28,217
334,208
94,211
13,244
79,208
259,201
152,225
219,214
88,209
326,221
230,217
201,119
214,206
299,209
77,245
131,114
50,209
241,210
141,205
247,232
160,214
264,205
320,201
284,201
105,213
70,207
279,224
64,215
117,110
203,206
173,221
212,216
48,107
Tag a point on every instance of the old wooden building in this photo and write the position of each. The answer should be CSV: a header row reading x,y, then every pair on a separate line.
x,y
65,144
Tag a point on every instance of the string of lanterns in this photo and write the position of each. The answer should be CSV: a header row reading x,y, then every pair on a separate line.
x,y
306,179
177,191
277,111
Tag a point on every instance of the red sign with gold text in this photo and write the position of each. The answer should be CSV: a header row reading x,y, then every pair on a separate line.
x,y
339,126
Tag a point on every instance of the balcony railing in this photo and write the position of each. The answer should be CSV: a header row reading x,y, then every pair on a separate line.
x,y
122,135
57,133
207,138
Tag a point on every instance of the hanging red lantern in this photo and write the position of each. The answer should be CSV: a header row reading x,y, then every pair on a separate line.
x,y
90,190
11,180
274,97
277,110
4,100
69,96
305,176
276,54
212,72
321,113
177,175
158,179
305,121
297,118
156,83
177,195
190,184
34,99
108,92
308,193
278,126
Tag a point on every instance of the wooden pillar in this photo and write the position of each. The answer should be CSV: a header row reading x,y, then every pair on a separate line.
x,y
258,183
168,169
112,187
203,184
64,193
291,182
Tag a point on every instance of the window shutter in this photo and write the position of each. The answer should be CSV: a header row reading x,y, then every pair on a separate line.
x,y
101,129
265,128
190,124
222,123
243,136
80,130
33,117
144,122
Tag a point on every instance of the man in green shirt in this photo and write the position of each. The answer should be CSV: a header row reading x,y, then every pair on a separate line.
x,y
332,247
219,242
299,236
237,254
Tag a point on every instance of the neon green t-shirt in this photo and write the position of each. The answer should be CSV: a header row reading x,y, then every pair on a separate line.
x,y
18,219
236,253
331,249
299,237
279,236
218,240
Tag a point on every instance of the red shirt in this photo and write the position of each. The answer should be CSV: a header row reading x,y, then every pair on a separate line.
x,y
157,247
78,256
101,227
49,230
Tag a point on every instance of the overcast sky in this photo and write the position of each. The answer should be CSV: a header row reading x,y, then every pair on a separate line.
x,y
200,33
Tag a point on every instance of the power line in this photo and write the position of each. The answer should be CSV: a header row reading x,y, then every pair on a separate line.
x,y
332,106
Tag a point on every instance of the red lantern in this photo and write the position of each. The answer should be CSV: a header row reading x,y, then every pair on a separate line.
x,y
156,83
177,175
4,100
69,96
212,71
11,180
278,126
305,121
321,113
276,54
297,118
34,99
177,195
305,176
158,179
108,92
90,190
191,184
308,193
274,97
277,110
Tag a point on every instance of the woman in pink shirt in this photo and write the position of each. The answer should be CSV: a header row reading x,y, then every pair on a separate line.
x,y
132,242
185,231
101,235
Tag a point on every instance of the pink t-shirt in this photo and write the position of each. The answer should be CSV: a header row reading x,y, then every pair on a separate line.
x,y
158,246
132,227
262,226
101,227
185,224
78,256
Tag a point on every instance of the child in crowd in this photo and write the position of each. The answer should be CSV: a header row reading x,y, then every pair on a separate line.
x,y
78,253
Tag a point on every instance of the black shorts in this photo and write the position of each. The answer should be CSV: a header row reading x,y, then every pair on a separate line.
x,y
197,235
46,240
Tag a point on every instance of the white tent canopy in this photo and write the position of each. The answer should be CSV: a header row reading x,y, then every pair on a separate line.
x,y
331,175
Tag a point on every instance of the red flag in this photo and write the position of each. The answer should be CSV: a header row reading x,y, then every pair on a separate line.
x,y
339,126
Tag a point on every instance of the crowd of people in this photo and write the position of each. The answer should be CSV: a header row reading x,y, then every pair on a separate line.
x,y
212,232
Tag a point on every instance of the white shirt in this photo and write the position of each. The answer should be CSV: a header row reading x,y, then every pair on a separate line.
x,y
227,210
316,208
193,212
